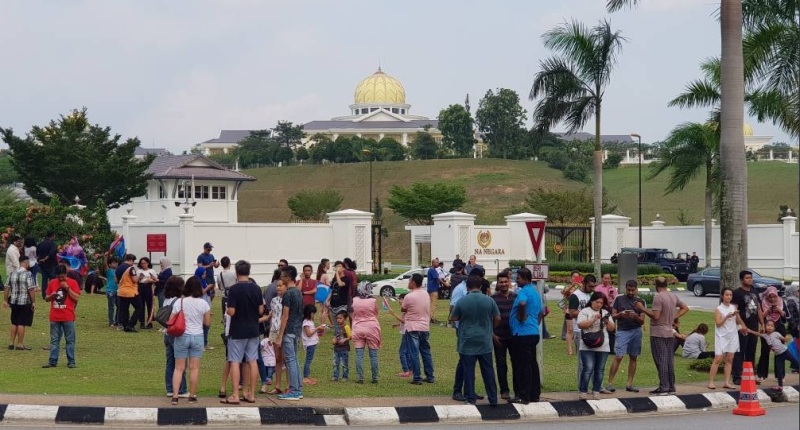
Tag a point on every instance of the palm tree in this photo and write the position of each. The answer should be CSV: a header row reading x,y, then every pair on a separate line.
x,y
733,201
571,86
690,148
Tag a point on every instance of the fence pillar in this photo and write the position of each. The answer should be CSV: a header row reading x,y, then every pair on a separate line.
x,y
352,237
451,234
615,230
789,223
127,220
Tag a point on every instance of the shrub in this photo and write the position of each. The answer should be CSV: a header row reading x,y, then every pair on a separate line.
x,y
613,160
643,269
643,280
704,365
576,172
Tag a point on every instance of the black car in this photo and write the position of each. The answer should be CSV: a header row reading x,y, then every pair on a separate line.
x,y
706,281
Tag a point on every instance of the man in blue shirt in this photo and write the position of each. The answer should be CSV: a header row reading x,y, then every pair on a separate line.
x,y
477,315
207,261
433,287
524,319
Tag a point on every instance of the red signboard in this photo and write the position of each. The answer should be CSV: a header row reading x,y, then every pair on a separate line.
x,y
156,243
536,233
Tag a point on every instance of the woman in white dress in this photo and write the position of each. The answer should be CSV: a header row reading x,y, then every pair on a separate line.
x,y
726,337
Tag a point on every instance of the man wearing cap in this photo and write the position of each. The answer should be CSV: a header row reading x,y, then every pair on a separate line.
x,y
207,261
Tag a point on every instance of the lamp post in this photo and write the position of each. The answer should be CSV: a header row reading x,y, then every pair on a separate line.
x,y
368,153
639,138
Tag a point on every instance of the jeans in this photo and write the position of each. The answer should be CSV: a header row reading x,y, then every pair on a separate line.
x,y
263,374
373,362
418,345
458,383
65,329
113,310
310,350
576,339
206,329
341,358
747,352
169,346
594,365
487,373
405,358
526,379
34,273
501,361
289,346
48,273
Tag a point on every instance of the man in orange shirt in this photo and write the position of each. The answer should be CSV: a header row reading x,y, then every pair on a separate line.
x,y
62,293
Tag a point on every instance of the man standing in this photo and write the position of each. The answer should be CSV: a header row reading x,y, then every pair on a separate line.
x,y
459,292
13,254
417,308
433,287
308,286
504,298
46,252
20,296
291,328
629,334
577,301
245,306
62,293
525,316
694,261
748,303
207,261
472,264
665,304
457,262
477,314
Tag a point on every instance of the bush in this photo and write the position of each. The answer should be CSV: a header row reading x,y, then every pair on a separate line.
x,y
643,269
704,365
613,160
576,171
643,280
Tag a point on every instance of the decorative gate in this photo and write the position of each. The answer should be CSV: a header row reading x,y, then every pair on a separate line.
x,y
568,243
377,248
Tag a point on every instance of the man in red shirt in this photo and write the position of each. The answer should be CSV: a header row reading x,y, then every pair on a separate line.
x,y
308,286
62,293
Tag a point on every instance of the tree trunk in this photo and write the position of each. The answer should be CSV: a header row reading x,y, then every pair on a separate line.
x,y
733,203
708,215
598,194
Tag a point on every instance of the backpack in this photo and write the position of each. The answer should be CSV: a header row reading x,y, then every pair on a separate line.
x,y
163,314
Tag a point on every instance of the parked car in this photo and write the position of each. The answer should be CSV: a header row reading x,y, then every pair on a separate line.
x,y
661,257
393,287
706,281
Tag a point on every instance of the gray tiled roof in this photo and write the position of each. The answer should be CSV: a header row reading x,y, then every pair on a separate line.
x,y
582,135
368,125
230,136
155,151
175,167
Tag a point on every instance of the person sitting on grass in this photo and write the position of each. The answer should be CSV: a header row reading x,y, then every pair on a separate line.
x,y
695,344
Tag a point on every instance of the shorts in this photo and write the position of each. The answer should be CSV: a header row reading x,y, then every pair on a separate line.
x,y
189,346
22,315
239,349
628,342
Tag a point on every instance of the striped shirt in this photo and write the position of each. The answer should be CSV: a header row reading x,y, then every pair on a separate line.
x,y
20,283
504,304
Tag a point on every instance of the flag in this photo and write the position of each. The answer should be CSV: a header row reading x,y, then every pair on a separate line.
x,y
117,247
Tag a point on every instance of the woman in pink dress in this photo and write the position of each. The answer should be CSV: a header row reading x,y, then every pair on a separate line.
x,y
366,330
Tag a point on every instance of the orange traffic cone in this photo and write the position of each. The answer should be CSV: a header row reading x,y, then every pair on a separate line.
x,y
748,396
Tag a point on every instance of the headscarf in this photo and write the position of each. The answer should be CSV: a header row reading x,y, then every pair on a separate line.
x,y
200,273
766,305
790,294
364,290
165,263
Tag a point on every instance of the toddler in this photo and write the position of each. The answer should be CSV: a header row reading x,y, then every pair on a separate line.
x,y
341,347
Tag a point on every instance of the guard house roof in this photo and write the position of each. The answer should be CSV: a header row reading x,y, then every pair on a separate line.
x,y
192,166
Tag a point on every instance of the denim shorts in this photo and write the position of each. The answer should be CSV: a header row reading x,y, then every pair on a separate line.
x,y
628,342
189,346
239,349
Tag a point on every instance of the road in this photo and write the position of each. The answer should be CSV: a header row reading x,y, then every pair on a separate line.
x,y
707,303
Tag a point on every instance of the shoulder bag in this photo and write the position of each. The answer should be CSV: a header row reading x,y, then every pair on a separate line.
x,y
164,314
177,323
594,339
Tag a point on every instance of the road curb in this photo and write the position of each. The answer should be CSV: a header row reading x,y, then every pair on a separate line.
x,y
401,415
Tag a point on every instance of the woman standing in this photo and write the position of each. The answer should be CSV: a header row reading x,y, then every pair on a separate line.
x,y
592,319
726,337
200,274
29,250
173,289
163,276
147,285
366,330
339,298
771,309
323,287
189,346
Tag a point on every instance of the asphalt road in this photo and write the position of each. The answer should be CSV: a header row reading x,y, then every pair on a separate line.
x,y
707,303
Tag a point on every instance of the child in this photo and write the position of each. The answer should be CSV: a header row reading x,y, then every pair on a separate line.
x,y
341,347
777,343
268,357
310,337
111,290
405,359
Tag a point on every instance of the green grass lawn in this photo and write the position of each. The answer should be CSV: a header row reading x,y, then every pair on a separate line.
x,y
111,362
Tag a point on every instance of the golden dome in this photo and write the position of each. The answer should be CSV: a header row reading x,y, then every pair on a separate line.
x,y
380,88
747,129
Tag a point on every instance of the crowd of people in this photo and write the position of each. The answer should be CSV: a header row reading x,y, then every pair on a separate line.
x,y
263,329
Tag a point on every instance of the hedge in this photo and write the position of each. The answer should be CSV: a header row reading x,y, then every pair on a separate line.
x,y
643,280
643,269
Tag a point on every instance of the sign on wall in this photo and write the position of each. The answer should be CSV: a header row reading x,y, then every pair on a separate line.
x,y
157,243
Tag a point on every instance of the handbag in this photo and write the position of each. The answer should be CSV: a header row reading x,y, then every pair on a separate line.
x,y
177,323
594,339
164,314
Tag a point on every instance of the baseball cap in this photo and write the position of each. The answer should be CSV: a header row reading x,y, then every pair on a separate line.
x,y
207,245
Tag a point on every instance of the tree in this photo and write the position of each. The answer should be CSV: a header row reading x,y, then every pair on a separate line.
x,y
320,148
302,154
733,195
456,125
227,160
7,174
71,158
314,205
689,149
570,89
419,202
288,134
389,149
565,207
612,161
423,146
500,119
255,149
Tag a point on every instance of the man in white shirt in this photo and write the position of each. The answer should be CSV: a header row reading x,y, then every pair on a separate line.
x,y
12,255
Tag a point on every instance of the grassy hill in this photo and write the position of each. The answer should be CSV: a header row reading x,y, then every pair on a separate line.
x,y
496,188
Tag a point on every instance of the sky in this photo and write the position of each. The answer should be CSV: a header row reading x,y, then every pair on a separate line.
x,y
174,73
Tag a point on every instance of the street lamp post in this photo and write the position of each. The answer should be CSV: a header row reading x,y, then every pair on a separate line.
x,y
368,153
639,138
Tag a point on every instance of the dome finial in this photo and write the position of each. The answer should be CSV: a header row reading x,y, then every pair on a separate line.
x,y
380,70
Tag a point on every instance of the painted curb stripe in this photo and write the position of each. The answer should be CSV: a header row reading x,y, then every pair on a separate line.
x,y
417,414
636,405
573,408
80,415
2,411
29,413
301,415
500,412
695,401
231,416
182,416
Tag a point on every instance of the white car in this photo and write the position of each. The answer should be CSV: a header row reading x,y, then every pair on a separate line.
x,y
393,287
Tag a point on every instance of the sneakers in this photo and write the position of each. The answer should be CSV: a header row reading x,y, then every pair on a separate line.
x,y
583,396
610,388
293,396
631,389
658,392
596,395
607,391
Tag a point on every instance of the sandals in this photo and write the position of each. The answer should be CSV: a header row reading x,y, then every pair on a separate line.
x,y
229,402
274,391
712,387
192,399
174,401
249,400
222,395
